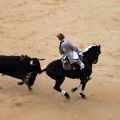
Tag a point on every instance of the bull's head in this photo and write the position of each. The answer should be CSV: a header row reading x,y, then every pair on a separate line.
x,y
35,69
35,65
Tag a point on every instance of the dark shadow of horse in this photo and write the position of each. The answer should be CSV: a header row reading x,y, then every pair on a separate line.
x,y
55,70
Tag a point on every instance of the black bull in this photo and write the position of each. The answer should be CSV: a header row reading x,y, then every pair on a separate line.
x,y
21,67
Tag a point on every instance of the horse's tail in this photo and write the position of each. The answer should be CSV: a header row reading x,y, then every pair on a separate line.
x,y
43,70
32,77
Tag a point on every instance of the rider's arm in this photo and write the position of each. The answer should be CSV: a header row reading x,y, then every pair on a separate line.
x,y
72,46
61,52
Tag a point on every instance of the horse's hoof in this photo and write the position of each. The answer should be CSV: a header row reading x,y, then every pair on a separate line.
x,y
67,96
82,95
74,89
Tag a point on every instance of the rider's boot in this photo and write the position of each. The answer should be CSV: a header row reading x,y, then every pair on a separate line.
x,y
83,73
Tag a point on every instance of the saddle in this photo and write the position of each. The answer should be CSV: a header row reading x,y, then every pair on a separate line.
x,y
66,64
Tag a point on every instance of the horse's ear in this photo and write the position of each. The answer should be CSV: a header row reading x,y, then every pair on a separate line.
x,y
99,46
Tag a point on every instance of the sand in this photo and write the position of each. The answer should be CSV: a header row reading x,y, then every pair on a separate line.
x,y
30,27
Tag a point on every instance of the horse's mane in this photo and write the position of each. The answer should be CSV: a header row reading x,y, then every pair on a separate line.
x,y
89,49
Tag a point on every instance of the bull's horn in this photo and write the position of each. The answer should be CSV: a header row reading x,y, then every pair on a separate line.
x,y
41,59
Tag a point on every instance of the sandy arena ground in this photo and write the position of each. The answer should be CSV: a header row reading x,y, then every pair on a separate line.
x,y
30,27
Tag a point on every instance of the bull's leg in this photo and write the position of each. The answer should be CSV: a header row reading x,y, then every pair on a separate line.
x,y
26,82
30,89
82,90
21,83
57,87
31,78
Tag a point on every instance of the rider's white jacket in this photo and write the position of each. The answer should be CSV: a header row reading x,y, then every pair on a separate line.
x,y
70,50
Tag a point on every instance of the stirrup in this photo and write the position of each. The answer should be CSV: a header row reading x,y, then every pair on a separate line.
x,y
73,67
64,61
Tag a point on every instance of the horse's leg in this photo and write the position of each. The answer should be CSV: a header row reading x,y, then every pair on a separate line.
x,y
57,87
76,88
83,78
82,90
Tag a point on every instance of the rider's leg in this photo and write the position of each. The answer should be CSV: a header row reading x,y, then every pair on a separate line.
x,y
80,63
83,75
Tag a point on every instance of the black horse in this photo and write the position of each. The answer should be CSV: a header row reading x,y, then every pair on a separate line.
x,y
55,70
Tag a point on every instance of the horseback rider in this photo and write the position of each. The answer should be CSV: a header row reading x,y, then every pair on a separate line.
x,y
66,48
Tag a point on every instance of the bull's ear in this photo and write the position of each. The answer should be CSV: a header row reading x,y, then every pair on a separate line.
x,y
32,62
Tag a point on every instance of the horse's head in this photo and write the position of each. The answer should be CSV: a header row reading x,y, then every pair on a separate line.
x,y
92,53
